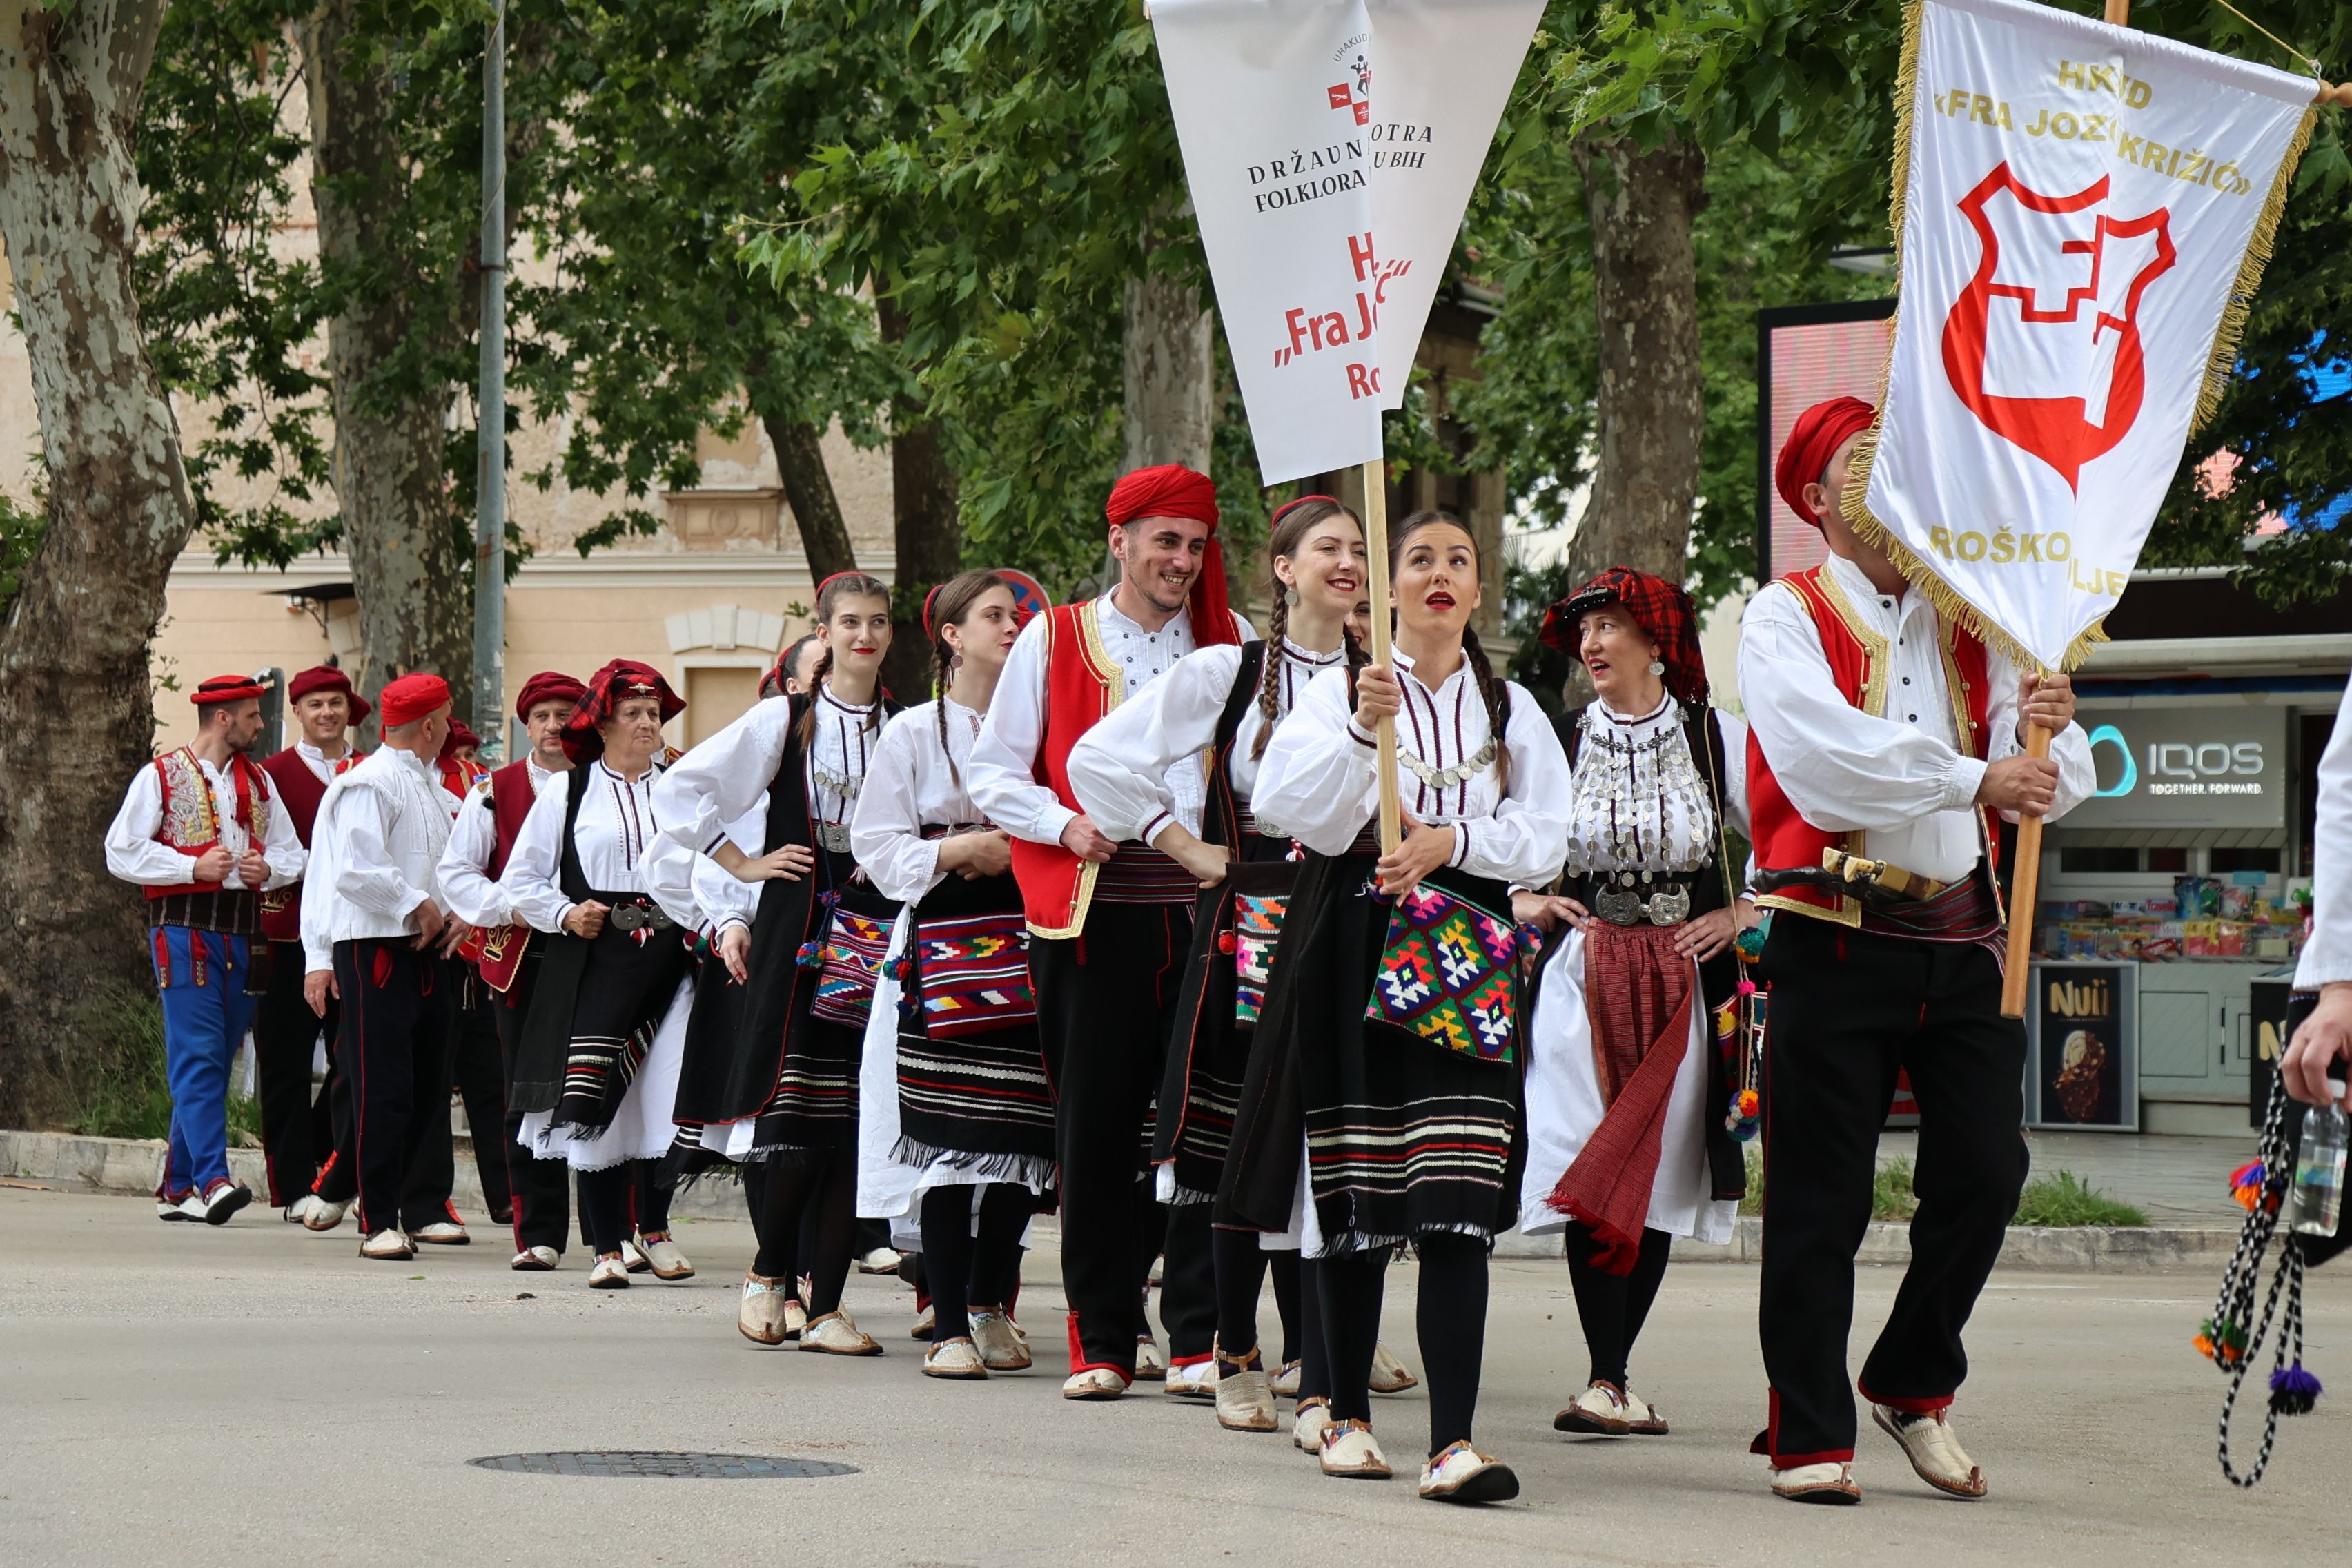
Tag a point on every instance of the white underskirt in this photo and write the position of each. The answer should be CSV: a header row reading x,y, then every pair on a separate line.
x,y
1564,1107
641,1129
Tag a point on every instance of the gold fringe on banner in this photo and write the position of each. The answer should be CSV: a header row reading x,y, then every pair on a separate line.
x,y
2223,360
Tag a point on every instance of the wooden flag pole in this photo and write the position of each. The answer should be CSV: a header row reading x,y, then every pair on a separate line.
x,y
1376,551
2024,885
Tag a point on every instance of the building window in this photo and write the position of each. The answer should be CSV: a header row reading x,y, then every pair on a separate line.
x,y
2168,859
2227,860
2093,862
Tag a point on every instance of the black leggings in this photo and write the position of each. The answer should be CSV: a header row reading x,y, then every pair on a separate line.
x,y
1613,1307
1450,1320
625,1199
821,1183
961,1269
1242,1266
1314,1362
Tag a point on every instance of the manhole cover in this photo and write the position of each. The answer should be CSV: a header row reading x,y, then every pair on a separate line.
x,y
719,1467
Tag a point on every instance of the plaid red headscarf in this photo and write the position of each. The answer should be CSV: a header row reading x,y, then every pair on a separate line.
x,y
607,690
1662,609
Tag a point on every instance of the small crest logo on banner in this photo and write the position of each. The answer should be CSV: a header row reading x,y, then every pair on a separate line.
x,y
2082,213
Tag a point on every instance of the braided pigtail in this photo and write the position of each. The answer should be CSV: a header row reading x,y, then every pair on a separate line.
x,y
942,672
1497,698
1269,677
816,684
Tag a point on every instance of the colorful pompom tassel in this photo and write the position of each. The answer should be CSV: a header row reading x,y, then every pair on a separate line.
x,y
1226,942
1741,1123
2246,1184
2293,1391
811,953
2225,1344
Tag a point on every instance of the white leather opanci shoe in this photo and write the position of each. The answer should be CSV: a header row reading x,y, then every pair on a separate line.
x,y
324,1215
1460,1473
1350,1453
610,1274
1597,1411
760,1317
1830,1482
388,1246
1313,1419
663,1257
1390,1375
834,1334
539,1259
1245,1397
1094,1382
958,1360
1933,1450
1150,1361
1000,1349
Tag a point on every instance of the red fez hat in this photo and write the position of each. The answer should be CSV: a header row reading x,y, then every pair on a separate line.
x,y
326,677
1812,441
410,697
1171,489
607,690
548,685
226,689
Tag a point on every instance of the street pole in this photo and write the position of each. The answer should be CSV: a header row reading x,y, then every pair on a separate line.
x,y
490,469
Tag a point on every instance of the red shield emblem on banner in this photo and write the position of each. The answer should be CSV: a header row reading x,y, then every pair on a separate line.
x,y
2043,345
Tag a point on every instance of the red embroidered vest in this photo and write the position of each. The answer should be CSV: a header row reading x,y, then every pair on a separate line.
x,y
190,823
1082,683
1859,660
298,792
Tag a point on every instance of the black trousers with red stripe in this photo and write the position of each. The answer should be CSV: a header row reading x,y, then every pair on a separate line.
x,y
541,1189
399,1013
1850,1010
1104,1001
284,1042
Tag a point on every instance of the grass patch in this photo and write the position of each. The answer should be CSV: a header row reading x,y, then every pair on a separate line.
x,y
1890,1191
2066,1199
116,1082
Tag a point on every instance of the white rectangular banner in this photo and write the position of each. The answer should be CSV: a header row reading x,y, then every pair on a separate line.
x,y
2085,212
1321,215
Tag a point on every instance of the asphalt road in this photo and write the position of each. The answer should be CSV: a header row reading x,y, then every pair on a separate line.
x,y
258,1396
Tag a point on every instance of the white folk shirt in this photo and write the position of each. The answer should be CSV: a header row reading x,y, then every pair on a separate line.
x,y
1004,763
1120,769
909,786
612,835
1663,806
1319,777
2327,956
1902,779
134,854
716,782
374,851
322,767
463,871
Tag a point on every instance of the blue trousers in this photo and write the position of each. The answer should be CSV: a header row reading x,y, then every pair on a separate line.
x,y
202,977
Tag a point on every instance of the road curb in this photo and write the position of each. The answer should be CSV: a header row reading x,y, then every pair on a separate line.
x,y
135,1164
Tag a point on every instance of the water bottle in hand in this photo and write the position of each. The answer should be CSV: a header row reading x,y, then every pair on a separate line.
x,y
2317,1201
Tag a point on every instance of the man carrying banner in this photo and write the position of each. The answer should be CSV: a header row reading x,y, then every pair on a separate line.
x,y
1883,738
1109,922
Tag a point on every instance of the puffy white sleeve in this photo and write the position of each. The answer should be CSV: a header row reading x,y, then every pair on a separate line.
x,y
1002,776
530,883
2327,956
887,832
282,847
132,851
1118,769
722,898
2078,775
318,896
1735,771
472,896
1317,776
1526,841
720,779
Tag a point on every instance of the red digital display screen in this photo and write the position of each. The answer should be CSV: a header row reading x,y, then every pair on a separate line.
x,y
1807,354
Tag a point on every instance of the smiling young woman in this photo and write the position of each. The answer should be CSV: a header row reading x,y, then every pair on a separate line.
x,y
1225,703
771,1063
1408,1098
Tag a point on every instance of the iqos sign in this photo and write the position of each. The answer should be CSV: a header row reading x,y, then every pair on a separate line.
x,y
2200,767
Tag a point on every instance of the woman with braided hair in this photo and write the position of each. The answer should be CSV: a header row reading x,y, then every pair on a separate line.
x,y
956,1119
1224,702
1389,1041
772,1074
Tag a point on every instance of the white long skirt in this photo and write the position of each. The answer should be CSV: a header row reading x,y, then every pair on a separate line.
x,y
641,1129
889,1188
1564,1105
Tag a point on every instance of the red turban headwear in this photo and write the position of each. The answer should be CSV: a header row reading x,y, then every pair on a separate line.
x,y
326,677
548,685
461,735
1662,609
607,690
1812,441
1171,489
410,697
226,689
